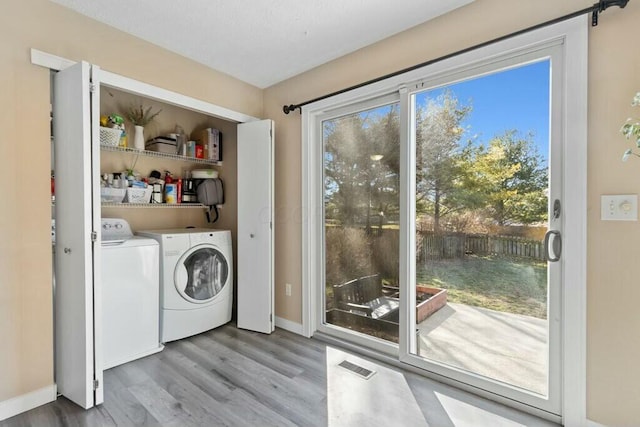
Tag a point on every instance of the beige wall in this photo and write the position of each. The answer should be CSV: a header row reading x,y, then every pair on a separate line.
x,y
26,358
614,77
25,284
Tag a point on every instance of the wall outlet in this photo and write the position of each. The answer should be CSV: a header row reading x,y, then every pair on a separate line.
x,y
287,289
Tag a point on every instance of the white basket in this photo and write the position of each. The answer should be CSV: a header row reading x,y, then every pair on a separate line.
x,y
138,195
109,136
111,195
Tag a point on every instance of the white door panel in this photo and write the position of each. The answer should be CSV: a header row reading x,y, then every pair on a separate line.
x,y
255,232
74,254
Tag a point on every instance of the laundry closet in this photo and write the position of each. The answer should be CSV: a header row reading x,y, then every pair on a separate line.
x,y
82,93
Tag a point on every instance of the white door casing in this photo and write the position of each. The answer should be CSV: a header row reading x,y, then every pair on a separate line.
x,y
255,226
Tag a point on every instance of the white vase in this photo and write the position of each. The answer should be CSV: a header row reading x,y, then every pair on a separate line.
x,y
138,138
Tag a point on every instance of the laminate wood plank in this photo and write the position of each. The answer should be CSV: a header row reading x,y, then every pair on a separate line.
x,y
203,408
298,389
311,362
123,407
303,357
209,381
258,353
310,380
261,384
159,402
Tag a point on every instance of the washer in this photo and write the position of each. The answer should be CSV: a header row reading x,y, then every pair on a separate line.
x,y
196,280
130,275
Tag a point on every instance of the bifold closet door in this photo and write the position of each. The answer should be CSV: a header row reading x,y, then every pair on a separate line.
x,y
75,340
255,226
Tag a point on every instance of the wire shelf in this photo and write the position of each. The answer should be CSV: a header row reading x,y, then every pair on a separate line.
x,y
161,155
155,205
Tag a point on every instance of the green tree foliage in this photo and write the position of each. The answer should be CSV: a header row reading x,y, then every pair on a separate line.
x,y
440,171
511,178
358,182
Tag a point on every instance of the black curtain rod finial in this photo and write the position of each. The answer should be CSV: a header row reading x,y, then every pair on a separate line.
x,y
603,5
290,108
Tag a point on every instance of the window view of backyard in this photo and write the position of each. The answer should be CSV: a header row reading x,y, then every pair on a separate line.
x,y
481,216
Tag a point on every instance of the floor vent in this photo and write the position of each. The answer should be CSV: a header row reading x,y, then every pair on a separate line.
x,y
358,370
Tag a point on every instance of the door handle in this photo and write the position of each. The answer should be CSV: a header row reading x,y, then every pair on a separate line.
x,y
556,244
252,235
67,250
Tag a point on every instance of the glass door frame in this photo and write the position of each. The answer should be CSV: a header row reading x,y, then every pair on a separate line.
x,y
572,36
408,348
360,339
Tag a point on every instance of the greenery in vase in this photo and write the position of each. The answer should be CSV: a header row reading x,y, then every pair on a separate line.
x,y
140,116
631,130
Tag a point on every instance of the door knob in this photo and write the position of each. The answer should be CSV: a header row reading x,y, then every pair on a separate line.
x,y
252,235
67,250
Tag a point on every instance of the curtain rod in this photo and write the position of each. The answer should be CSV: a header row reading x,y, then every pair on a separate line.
x,y
597,8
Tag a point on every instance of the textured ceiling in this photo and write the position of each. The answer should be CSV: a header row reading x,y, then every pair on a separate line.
x,y
262,42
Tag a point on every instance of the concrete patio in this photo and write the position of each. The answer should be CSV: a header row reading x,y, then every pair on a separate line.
x,y
506,347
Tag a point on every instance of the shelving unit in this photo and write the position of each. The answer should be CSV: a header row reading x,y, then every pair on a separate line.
x,y
148,153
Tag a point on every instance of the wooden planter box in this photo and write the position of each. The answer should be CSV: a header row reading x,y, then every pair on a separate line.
x,y
435,299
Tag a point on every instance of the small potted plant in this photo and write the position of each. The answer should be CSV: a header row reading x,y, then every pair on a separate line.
x,y
631,130
140,117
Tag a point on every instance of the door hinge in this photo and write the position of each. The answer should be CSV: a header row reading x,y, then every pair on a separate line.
x,y
92,87
271,133
94,236
271,317
270,225
96,384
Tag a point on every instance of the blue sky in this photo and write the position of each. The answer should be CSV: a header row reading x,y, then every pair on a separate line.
x,y
511,99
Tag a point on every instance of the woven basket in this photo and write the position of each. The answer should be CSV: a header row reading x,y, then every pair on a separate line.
x,y
110,137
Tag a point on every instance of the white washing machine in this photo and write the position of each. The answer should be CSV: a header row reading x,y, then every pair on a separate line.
x,y
196,280
130,275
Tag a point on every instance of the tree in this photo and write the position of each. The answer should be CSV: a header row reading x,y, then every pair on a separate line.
x,y
361,164
511,177
440,173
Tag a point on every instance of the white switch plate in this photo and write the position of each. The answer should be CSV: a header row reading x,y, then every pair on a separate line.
x,y
287,289
621,207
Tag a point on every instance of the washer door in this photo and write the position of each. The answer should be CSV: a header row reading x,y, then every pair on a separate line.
x,y
201,274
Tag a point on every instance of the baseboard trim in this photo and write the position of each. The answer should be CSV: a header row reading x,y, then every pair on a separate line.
x,y
290,326
25,402
594,424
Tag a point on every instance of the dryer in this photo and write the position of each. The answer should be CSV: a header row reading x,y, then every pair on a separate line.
x,y
196,280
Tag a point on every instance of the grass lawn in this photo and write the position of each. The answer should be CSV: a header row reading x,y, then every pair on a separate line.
x,y
501,284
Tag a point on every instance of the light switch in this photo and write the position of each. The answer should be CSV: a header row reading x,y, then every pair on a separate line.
x,y
622,207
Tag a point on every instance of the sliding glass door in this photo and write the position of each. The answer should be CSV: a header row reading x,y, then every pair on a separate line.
x,y
487,193
361,148
438,202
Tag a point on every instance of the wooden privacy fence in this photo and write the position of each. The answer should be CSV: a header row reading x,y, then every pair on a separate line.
x,y
457,245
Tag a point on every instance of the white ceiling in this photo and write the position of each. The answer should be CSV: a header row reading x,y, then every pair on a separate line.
x,y
262,42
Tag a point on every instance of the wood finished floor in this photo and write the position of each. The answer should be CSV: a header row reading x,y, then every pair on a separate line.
x,y
232,377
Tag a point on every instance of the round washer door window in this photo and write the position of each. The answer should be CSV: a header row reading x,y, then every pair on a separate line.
x,y
201,274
